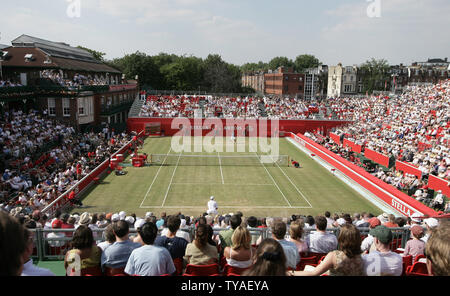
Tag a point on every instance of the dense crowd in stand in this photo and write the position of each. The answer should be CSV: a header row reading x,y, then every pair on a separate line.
x,y
77,80
165,245
227,107
42,158
413,127
9,83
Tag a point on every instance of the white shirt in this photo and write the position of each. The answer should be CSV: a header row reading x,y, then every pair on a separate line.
x,y
212,205
383,264
29,269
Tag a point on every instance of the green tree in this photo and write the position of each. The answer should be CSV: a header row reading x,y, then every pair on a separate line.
x,y
375,73
305,61
142,65
277,62
220,76
98,55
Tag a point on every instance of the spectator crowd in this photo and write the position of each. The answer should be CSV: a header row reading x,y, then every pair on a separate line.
x,y
413,127
42,158
121,243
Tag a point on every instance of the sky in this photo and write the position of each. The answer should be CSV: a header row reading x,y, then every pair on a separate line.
x,y
241,31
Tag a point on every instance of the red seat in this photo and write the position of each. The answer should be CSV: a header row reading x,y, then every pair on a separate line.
x,y
418,268
418,257
233,270
407,261
109,271
306,261
178,262
202,270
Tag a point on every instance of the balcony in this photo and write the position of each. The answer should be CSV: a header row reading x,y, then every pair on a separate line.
x,y
113,109
18,92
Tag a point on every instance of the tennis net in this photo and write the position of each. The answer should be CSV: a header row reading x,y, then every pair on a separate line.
x,y
219,160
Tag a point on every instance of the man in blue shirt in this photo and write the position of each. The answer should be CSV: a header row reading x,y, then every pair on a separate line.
x,y
174,244
149,260
117,254
290,249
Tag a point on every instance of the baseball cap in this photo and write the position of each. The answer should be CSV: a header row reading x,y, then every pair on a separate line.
x,y
129,219
108,216
212,197
417,230
341,221
56,224
122,215
383,218
115,217
382,233
139,223
431,222
374,222
148,214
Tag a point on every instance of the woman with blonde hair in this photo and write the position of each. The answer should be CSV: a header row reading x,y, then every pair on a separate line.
x,y
296,233
346,261
241,252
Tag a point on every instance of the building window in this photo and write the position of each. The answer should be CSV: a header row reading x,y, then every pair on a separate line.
x,y
51,107
66,107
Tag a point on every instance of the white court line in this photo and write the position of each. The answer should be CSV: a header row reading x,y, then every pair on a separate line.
x,y
290,206
220,163
203,183
294,185
156,176
171,179
225,207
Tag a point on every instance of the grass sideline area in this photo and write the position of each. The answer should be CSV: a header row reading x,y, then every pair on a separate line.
x,y
255,189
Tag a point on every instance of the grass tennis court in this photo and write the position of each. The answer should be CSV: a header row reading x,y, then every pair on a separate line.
x,y
181,182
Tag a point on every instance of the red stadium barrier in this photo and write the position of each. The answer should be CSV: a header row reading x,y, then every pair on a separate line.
x,y
407,168
355,148
295,126
437,183
394,198
377,157
335,138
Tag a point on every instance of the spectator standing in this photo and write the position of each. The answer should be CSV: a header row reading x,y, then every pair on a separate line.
x,y
149,260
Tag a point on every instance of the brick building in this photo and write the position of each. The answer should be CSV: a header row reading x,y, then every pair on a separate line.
x,y
284,82
46,71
